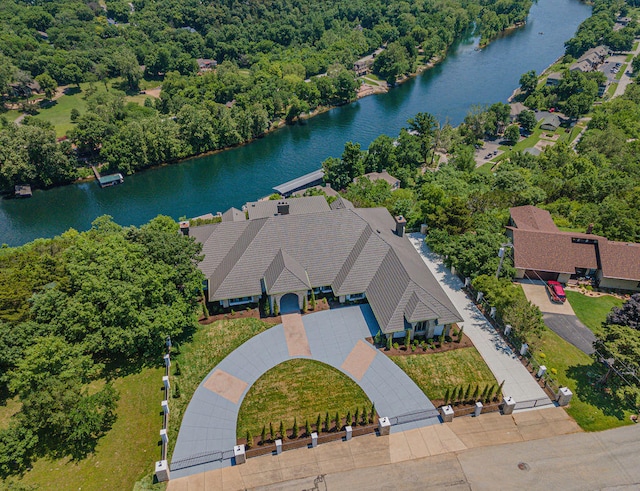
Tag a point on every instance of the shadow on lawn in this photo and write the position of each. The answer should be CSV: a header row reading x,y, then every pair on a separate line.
x,y
589,391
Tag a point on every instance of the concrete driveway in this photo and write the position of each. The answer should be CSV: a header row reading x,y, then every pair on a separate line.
x,y
559,317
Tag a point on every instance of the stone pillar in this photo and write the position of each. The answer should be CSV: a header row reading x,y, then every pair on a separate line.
x,y
314,440
508,405
541,371
163,436
165,406
524,349
162,471
384,426
479,297
278,446
564,396
507,329
239,454
478,409
446,412
167,360
492,312
348,432
467,282
165,382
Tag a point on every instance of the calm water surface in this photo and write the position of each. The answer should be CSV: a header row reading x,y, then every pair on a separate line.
x,y
215,183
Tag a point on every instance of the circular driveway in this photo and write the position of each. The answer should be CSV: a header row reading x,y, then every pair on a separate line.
x,y
335,337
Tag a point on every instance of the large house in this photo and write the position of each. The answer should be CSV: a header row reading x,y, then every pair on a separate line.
x,y
543,252
285,249
591,59
384,175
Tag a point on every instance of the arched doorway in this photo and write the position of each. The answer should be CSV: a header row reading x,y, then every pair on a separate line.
x,y
289,304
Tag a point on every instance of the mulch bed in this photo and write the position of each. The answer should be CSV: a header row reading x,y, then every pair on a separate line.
x,y
255,313
435,348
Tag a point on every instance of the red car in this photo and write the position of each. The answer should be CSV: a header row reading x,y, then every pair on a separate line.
x,y
556,291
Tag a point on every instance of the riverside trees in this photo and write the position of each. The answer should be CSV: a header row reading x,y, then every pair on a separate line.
x,y
74,305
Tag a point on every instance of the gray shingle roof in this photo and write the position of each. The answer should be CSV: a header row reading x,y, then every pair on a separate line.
x,y
285,274
354,250
233,215
297,206
341,202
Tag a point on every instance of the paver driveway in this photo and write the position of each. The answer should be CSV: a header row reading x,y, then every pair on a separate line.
x,y
335,337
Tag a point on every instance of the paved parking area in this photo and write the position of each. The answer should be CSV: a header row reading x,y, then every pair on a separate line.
x,y
559,317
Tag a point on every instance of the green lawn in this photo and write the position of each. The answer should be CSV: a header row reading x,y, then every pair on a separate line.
x,y
485,168
623,69
209,346
592,311
59,113
125,455
611,90
10,115
299,389
7,409
592,409
435,373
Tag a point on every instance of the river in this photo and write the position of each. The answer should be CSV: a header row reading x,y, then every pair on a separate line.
x,y
216,182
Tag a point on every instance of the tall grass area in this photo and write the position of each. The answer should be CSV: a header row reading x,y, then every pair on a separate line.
x,y
124,455
435,373
208,347
299,389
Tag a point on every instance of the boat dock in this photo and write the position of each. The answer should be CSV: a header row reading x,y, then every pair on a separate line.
x,y
109,180
308,180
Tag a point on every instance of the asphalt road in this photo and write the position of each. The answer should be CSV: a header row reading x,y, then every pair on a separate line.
x,y
569,328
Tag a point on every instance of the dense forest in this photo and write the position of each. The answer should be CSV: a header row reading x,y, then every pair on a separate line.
x,y
78,311
271,61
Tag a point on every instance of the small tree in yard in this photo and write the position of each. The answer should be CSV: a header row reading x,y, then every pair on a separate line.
x,y
271,435
313,300
460,334
499,393
177,370
441,338
476,392
389,341
372,414
377,339
348,419
512,134
276,309
356,416
263,435
307,428
467,392
319,423
484,393
304,303
249,439
326,422
338,422
407,337
176,390
283,435
447,394
294,432
364,416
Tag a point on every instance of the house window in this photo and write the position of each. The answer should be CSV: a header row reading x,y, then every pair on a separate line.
x,y
240,300
322,289
205,285
355,296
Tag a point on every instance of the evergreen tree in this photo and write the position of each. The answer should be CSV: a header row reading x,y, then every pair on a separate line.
x,y
294,432
499,394
283,435
467,393
356,416
326,422
447,394
476,391
348,419
249,439
176,390
364,416
271,435
338,422
389,341
372,414
460,334
307,428
263,435
319,423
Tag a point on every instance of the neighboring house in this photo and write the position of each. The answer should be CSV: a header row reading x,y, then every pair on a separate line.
x,y
602,88
591,59
24,89
363,67
356,253
205,64
551,122
384,175
542,252
554,79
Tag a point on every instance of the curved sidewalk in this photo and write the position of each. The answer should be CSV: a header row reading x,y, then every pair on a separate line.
x,y
335,337
503,363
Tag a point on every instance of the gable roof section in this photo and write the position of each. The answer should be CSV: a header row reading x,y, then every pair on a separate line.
x,y
340,202
417,309
233,215
621,260
285,274
532,218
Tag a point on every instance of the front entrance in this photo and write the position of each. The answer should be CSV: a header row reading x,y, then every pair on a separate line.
x,y
289,304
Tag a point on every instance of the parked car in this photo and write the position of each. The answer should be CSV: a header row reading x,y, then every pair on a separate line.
x,y
556,291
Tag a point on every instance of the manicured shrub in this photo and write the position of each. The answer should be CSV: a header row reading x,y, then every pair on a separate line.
x,y
372,414
271,435
313,300
348,419
276,309
460,334
467,393
326,422
476,392
319,423
499,393
176,390
389,342
294,432
447,394
304,304
364,416
307,428
283,435
263,435
407,337
177,371
396,346
249,439
356,416
378,338
338,422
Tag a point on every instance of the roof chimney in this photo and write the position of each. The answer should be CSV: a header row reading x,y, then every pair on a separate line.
x,y
184,227
401,223
590,228
283,208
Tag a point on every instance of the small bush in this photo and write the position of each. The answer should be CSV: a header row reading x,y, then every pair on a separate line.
x,y
396,346
294,432
263,435
176,390
389,342
249,439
